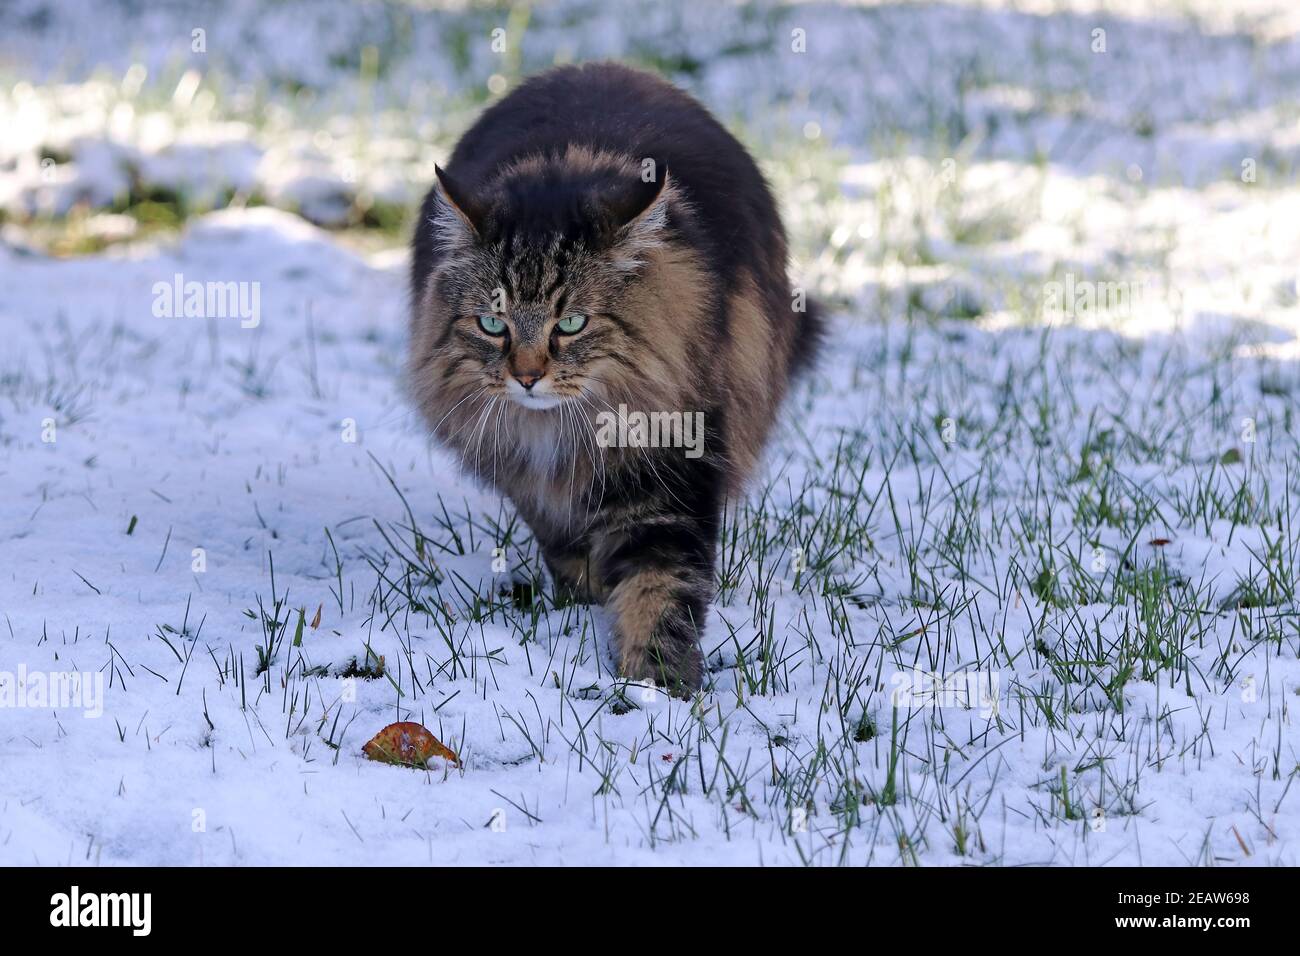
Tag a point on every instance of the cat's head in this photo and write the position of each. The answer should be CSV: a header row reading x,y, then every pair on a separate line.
x,y
531,297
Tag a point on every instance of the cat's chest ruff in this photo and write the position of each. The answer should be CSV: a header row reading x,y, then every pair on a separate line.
x,y
555,470
540,444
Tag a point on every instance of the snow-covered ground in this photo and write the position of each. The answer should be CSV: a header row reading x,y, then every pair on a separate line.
x,y
1051,455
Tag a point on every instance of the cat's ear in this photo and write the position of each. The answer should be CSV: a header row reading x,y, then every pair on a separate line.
x,y
635,200
638,216
468,212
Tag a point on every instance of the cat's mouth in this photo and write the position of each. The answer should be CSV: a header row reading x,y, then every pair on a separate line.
x,y
537,402
539,397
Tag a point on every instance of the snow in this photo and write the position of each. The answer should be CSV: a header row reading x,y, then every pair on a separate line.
x,y
168,478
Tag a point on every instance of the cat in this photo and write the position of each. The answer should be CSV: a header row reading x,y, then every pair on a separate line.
x,y
599,246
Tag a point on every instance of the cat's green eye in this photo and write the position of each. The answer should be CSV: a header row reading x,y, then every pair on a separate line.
x,y
491,324
572,324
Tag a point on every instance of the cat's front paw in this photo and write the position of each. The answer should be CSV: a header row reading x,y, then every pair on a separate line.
x,y
678,668
658,618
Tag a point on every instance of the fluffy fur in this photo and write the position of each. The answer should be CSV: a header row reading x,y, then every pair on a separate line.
x,y
603,192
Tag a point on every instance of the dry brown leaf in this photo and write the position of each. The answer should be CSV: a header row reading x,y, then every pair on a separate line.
x,y
408,744
315,621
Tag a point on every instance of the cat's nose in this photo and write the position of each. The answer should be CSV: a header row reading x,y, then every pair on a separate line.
x,y
528,379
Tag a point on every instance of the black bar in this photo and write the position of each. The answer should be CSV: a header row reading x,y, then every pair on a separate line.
x,y
302,904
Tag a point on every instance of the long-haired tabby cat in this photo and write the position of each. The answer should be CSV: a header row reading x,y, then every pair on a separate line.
x,y
598,245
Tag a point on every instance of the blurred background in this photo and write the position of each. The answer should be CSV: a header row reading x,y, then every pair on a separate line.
x,y
933,159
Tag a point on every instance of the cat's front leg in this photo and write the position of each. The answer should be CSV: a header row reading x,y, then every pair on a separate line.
x,y
567,553
661,577
576,577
